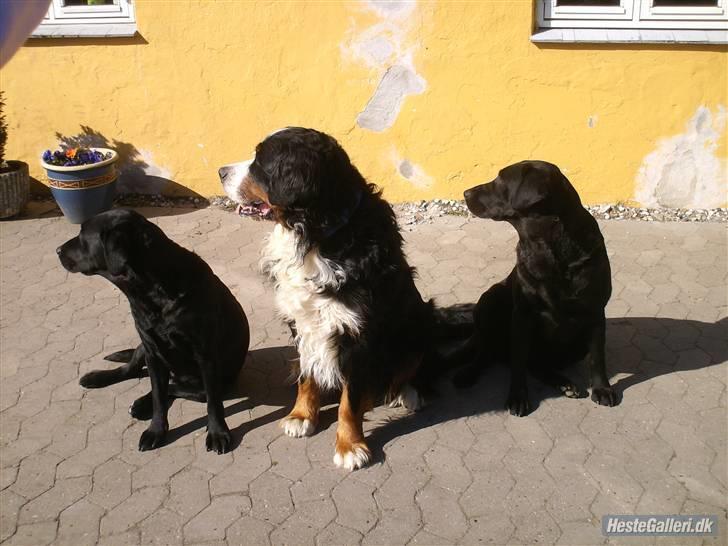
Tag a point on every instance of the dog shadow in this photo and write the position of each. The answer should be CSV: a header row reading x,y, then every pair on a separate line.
x,y
638,349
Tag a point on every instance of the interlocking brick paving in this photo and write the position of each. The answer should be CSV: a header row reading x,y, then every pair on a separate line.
x,y
461,471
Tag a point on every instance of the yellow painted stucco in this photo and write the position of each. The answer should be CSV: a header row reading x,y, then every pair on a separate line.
x,y
204,81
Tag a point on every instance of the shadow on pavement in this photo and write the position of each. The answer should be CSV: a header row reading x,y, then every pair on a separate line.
x,y
643,347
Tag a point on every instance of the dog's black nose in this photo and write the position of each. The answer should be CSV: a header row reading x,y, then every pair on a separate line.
x,y
222,172
467,194
58,251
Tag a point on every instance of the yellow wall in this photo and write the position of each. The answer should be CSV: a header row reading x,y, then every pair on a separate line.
x,y
204,81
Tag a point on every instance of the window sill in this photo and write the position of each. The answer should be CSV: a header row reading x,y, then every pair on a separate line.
x,y
628,36
110,30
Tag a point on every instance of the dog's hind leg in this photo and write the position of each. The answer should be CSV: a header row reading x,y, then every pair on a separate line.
x,y
142,407
135,368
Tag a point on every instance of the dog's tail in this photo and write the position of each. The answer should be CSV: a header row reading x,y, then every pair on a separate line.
x,y
453,344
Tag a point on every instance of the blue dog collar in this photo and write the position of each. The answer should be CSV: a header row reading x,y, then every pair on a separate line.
x,y
345,216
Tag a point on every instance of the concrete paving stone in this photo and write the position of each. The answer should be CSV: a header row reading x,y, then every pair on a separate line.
x,y
271,497
317,514
249,530
211,523
36,474
355,505
698,481
127,538
571,499
189,492
535,527
495,528
8,475
400,489
337,535
34,534
447,468
139,506
581,532
487,492
441,513
85,461
159,470
79,524
111,483
609,473
162,528
288,459
395,527
50,504
11,504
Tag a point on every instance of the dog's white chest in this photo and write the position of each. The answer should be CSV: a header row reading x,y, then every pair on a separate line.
x,y
299,293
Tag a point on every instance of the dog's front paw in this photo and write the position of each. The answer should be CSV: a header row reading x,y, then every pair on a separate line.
x,y
353,456
518,403
296,427
573,391
152,438
219,441
605,396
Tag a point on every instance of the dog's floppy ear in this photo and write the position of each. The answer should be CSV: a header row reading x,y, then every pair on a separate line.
x,y
532,189
117,251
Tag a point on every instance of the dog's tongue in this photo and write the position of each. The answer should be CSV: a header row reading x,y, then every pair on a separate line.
x,y
260,210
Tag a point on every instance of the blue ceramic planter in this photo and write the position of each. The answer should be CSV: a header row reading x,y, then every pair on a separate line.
x,y
84,190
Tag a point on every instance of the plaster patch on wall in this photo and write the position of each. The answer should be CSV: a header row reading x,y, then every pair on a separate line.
x,y
412,172
383,47
383,108
684,170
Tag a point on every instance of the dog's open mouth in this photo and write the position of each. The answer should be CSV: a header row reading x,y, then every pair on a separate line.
x,y
255,209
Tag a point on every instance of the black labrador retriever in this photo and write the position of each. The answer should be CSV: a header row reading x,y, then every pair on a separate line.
x,y
549,312
194,333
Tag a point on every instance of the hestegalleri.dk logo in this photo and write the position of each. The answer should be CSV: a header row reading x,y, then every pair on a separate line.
x,y
626,525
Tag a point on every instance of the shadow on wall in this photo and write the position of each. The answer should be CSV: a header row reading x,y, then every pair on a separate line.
x,y
134,171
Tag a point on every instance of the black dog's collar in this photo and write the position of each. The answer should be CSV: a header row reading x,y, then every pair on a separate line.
x,y
345,216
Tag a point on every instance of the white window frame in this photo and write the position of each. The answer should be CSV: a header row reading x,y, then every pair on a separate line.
x,y
106,20
631,21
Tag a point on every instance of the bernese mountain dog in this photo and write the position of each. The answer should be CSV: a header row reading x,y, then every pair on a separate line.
x,y
342,282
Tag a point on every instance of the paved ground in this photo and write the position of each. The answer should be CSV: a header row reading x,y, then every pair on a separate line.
x,y
461,471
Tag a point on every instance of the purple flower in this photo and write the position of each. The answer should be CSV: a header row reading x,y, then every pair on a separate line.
x,y
72,157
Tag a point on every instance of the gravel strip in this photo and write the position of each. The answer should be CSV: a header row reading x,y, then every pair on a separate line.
x,y
424,212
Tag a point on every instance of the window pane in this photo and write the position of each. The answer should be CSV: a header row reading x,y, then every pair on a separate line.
x,y
599,3
88,2
687,3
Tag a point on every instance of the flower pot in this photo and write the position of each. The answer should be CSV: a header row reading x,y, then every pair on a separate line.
x,y
83,191
14,184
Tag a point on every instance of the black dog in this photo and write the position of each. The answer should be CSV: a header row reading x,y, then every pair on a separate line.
x,y
549,312
342,281
194,333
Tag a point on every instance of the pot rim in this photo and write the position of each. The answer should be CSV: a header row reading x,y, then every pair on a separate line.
x,y
113,158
